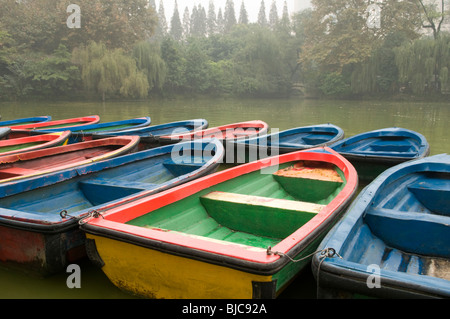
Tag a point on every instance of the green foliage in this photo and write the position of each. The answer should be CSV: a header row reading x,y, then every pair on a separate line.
x,y
110,73
334,84
423,64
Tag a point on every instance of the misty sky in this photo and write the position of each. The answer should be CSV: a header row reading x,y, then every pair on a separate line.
x,y
252,6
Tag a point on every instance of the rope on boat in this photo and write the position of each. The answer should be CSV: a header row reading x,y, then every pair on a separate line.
x,y
324,253
81,219
327,252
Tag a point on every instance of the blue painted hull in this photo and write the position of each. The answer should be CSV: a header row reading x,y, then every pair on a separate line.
x,y
85,132
296,139
373,152
21,121
394,238
150,135
47,209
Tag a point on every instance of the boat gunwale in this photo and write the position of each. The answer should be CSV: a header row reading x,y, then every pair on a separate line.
x,y
112,223
34,119
91,119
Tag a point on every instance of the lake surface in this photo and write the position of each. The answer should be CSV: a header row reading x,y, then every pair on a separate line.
x,y
430,119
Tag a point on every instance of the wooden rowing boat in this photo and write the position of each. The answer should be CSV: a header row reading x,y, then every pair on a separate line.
x,y
225,132
394,241
85,132
244,232
12,144
39,215
291,140
48,160
64,123
150,135
373,152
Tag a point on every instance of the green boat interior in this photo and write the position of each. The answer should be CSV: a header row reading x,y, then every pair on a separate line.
x,y
257,209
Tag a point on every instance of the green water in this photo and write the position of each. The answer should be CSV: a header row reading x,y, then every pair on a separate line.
x,y
354,117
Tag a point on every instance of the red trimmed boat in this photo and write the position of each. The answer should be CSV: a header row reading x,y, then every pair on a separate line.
x,y
244,232
33,163
72,122
225,132
14,144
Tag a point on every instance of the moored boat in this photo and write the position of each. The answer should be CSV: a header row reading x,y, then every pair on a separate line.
x,y
373,152
12,144
394,241
224,132
25,121
244,232
39,216
150,135
85,132
286,141
48,160
64,123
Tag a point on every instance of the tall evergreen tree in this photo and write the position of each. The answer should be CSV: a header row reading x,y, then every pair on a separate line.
x,y
220,22
262,19
162,22
285,20
186,23
211,22
243,15
229,16
176,29
273,15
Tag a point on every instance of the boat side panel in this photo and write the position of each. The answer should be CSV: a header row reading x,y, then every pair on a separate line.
x,y
154,274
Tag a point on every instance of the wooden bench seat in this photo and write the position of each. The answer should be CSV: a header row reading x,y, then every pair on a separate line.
x,y
260,216
284,204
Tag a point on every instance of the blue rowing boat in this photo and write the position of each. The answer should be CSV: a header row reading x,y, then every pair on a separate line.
x,y
26,120
39,216
394,241
150,135
295,139
85,132
373,152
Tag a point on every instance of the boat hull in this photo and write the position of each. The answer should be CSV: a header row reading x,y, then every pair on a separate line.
x,y
158,263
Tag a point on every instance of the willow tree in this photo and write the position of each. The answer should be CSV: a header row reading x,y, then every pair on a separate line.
x,y
424,64
110,73
149,61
